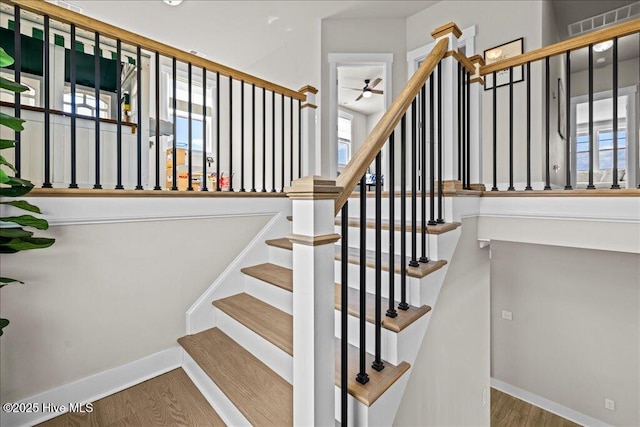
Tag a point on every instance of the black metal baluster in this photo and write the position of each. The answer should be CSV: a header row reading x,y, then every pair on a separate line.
x,y
432,153
495,134
414,226
242,189
615,185
72,75
463,126
282,136
403,214
362,376
230,178
511,188
190,128
547,179
468,136
440,188
264,140
290,139
139,118
46,69
344,313
391,311
157,147
423,174
299,139
567,153
460,120
253,138
17,100
174,142
96,77
528,187
218,188
273,142
590,186
205,178
377,364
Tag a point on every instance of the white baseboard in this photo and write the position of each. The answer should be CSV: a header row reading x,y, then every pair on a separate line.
x,y
548,405
94,387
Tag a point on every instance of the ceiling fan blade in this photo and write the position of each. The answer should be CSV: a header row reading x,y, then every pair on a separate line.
x,y
352,88
379,92
358,98
375,83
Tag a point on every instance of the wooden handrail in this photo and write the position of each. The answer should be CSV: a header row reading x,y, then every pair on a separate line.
x,y
372,145
579,42
58,13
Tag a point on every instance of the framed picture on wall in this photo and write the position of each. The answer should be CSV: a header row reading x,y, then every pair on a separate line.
x,y
500,53
562,109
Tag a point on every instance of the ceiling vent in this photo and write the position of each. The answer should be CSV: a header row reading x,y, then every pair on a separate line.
x,y
66,5
606,19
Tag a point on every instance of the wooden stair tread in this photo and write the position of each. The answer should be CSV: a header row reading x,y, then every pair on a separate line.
x,y
378,383
395,324
272,324
419,272
282,243
271,273
385,225
260,394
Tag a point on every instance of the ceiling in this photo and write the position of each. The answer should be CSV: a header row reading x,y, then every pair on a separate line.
x,y
570,11
354,77
219,28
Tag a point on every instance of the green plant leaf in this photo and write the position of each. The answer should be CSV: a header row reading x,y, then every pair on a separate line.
x,y
4,281
4,161
13,233
27,221
5,58
11,122
14,191
23,204
6,143
3,322
19,182
12,86
4,178
27,243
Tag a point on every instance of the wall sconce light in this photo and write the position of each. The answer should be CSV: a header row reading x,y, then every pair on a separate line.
x,y
172,2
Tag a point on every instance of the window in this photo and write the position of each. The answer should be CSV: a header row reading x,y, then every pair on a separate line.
x,y
29,97
197,117
86,103
603,151
344,139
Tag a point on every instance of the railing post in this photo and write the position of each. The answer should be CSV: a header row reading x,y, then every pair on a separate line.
x,y
313,236
449,102
308,145
475,121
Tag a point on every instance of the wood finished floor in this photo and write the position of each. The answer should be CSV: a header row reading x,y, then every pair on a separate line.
x,y
170,399
507,411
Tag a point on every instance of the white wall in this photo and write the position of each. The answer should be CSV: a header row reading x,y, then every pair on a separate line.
x,y
359,36
452,368
497,22
575,334
107,294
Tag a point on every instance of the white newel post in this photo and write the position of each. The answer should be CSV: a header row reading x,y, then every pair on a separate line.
x,y
313,236
308,124
449,101
476,91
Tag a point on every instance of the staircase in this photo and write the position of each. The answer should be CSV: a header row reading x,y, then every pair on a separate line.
x,y
244,364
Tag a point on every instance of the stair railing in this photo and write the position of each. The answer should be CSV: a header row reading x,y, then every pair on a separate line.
x,y
578,151
131,113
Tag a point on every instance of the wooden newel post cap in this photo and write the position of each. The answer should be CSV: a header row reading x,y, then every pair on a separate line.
x,y
451,27
313,187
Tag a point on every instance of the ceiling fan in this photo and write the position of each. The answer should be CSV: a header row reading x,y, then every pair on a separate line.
x,y
368,89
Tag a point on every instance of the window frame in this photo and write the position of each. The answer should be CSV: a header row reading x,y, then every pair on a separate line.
x,y
343,141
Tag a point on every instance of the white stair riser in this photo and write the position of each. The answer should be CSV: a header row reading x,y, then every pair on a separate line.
x,y
229,413
353,274
276,359
354,241
431,285
281,257
357,412
388,345
442,246
273,295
